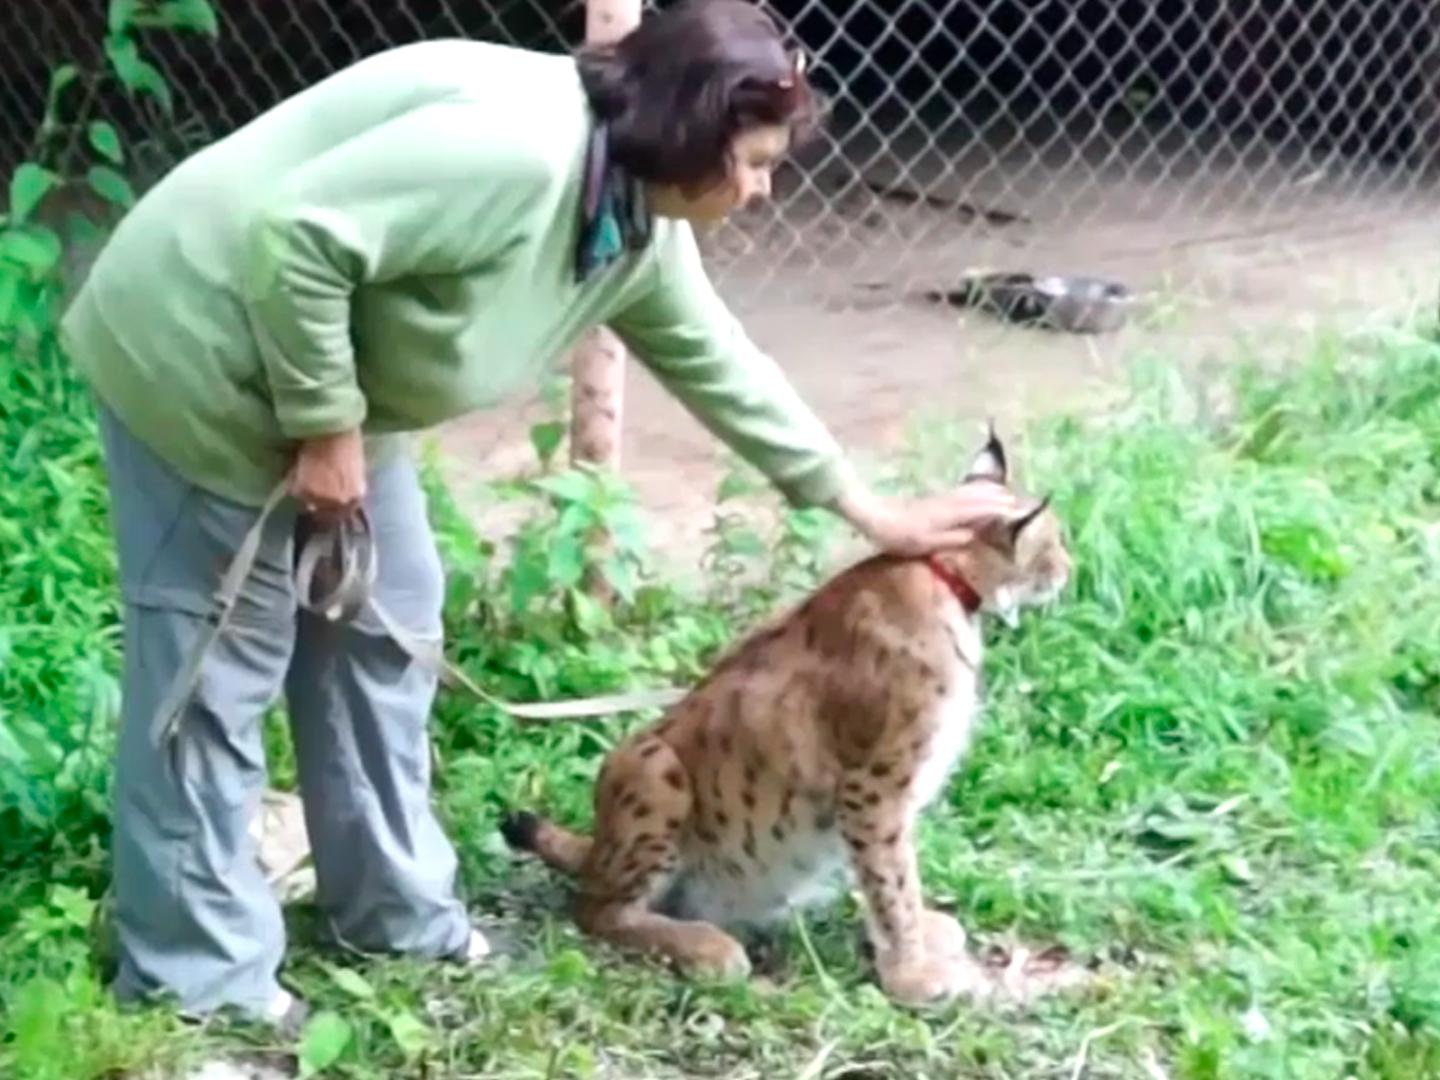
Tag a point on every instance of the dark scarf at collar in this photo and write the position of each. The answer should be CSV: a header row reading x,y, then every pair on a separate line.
x,y
613,216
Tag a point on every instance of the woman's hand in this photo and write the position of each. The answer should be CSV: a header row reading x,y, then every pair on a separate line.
x,y
329,474
924,525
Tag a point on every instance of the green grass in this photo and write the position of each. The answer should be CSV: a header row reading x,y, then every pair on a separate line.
x,y
1213,773
58,630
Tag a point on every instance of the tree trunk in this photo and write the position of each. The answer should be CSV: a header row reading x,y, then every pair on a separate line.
x,y
598,366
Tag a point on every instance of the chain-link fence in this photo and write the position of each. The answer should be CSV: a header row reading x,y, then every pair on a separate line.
x,y
965,134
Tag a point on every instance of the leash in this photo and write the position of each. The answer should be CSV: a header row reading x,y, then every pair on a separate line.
x,y
343,556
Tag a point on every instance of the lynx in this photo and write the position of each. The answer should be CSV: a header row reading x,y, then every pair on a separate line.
x,y
799,765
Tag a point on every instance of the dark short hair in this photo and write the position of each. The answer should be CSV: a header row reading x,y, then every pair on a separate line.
x,y
679,87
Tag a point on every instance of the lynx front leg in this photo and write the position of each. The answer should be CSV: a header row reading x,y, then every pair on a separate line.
x,y
643,802
915,949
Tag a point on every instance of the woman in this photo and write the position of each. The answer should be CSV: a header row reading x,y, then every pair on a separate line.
x,y
414,237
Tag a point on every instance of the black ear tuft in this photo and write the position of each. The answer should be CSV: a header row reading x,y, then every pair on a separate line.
x,y
990,462
1018,526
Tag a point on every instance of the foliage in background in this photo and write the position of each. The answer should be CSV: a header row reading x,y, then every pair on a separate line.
x,y
58,693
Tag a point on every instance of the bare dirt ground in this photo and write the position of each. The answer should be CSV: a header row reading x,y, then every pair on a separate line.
x,y
1219,245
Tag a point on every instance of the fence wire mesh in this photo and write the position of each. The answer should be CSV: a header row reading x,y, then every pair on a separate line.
x,y
964,134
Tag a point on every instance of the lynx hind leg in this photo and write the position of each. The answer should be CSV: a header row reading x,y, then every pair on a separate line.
x,y
643,803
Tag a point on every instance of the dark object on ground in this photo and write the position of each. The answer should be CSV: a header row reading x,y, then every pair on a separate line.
x,y
1079,305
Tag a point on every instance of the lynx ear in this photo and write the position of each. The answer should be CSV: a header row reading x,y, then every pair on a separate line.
x,y
1019,525
989,463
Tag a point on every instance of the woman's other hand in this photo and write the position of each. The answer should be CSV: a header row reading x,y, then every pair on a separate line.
x,y
329,475
923,525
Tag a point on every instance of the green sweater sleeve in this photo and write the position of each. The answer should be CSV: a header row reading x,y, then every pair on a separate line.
x,y
419,194
682,332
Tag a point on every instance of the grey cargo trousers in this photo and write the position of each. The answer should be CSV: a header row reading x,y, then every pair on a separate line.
x,y
195,920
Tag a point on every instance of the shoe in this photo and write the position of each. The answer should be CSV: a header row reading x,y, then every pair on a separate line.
x,y
287,1013
284,1012
477,949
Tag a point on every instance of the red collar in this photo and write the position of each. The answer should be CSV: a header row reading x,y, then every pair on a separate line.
x,y
956,583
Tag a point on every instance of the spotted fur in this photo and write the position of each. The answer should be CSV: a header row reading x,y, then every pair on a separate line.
x,y
800,764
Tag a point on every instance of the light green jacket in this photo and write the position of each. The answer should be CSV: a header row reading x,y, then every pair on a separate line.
x,y
395,247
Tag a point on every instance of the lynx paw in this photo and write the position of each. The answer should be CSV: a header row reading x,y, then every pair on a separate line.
x,y
932,980
944,936
717,956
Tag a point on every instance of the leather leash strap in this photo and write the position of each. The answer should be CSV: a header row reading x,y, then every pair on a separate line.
x,y
345,553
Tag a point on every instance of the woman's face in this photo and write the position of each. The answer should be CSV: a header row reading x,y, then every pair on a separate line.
x,y
754,153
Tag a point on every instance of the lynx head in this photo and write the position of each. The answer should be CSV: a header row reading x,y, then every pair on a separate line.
x,y
1017,558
